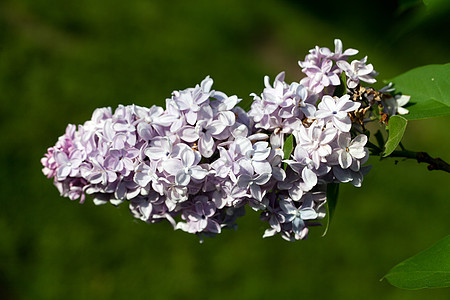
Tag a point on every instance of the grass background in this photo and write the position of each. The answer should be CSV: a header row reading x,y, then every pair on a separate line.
x,y
59,60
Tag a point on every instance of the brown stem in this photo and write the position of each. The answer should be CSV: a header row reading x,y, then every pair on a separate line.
x,y
423,157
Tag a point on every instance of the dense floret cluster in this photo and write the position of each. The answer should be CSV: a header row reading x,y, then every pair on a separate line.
x,y
200,161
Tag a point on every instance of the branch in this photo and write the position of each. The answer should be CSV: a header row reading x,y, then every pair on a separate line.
x,y
423,157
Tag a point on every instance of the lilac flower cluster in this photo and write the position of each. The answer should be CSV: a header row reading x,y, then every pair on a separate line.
x,y
199,162
323,68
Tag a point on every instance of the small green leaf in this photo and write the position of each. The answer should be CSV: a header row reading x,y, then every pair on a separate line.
x,y
341,89
332,196
428,269
288,146
397,126
429,88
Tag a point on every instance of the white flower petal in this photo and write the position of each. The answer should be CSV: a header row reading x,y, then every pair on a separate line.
x,y
308,214
262,178
182,178
198,172
187,157
345,159
172,166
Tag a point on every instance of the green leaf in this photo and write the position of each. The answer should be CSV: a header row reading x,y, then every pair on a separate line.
x,y
429,88
341,89
397,126
288,146
332,196
428,269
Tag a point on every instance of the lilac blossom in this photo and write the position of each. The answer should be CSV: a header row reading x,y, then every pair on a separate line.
x,y
338,54
201,160
254,183
298,215
185,167
273,214
356,71
254,156
67,164
350,152
122,160
320,76
316,141
336,110
199,217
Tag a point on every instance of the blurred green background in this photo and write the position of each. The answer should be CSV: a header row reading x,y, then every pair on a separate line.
x,y
59,60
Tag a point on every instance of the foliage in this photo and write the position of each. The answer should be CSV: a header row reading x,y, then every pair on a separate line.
x,y
397,127
332,197
427,269
429,87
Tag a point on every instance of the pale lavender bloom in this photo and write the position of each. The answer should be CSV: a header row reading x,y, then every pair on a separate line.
x,y
199,217
109,139
228,194
293,184
160,149
97,174
205,159
316,141
172,109
273,215
127,189
68,164
203,132
254,155
151,209
122,160
356,71
152,121
303,159
278,108
101,114
275,159
254,183
145,174
320,76
223,106
297,215
184,167
49,163
175,195
338,54
123,122
307,101
191,101
257,109
336,110
142,207
348,175
227,164
312,59
275,96
305,167
72,188
350,152
320,70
